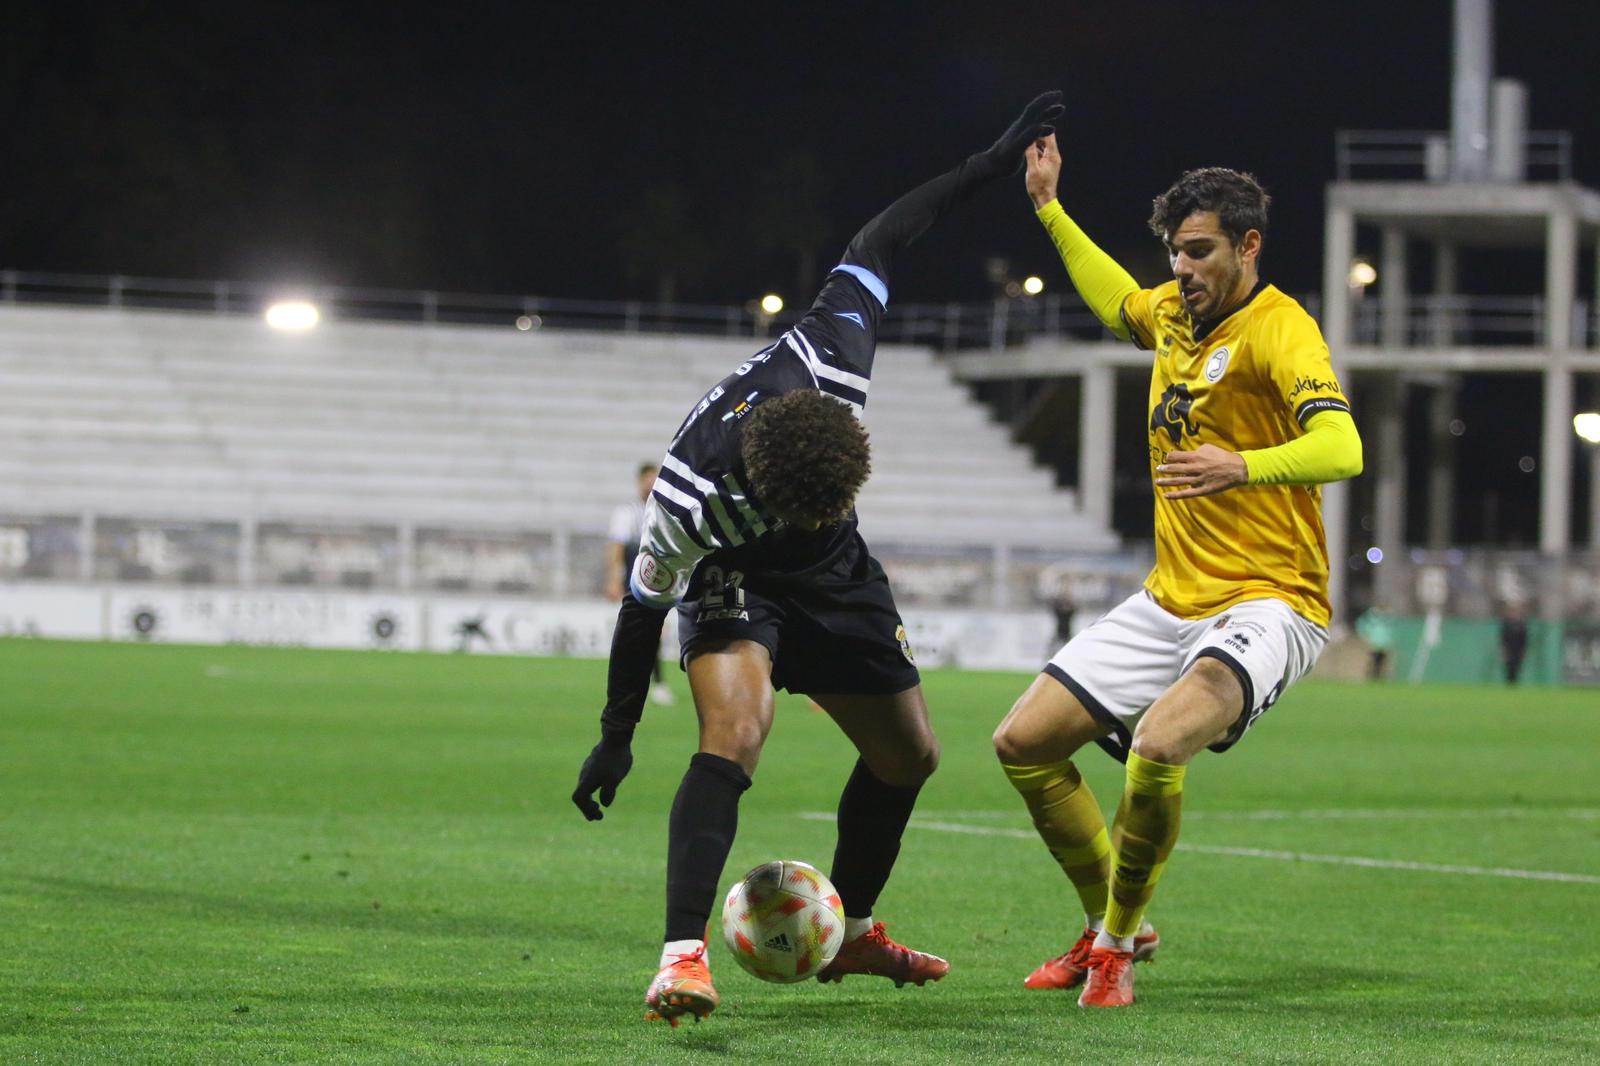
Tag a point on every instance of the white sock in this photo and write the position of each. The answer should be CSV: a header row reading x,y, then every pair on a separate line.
x,y
1094,922
1106,940
854,927
673,949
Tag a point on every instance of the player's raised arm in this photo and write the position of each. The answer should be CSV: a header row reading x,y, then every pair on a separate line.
x,y
903,221
1099,279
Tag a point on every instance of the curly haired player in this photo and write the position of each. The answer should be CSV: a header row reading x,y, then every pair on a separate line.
x,y
750,532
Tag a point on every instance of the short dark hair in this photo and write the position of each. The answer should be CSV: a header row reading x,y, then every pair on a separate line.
x,y
647,468
1238,199
806,454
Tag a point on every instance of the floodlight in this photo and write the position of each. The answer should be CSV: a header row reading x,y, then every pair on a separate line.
x,y
1033,284
1362,274
1587,426
293,315
771,303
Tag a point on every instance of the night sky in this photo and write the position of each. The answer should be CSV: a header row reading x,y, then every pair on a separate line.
x,y
601,151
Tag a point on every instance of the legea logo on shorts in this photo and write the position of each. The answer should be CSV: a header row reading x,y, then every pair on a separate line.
x,y
1217,364
653,575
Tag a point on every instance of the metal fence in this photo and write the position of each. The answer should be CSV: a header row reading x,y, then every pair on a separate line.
x,y
554,563
1475,321
1410,155
994,324
547,563
1480,583
943,326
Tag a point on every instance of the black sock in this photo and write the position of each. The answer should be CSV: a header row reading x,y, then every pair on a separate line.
x,y
705,816
872,818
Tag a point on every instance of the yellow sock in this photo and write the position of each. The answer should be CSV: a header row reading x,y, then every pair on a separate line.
x,y
1142,836
1071,825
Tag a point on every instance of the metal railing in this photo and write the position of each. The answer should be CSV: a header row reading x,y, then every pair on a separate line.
x,y
1476,321
1409,155
994,324
550,563
943,326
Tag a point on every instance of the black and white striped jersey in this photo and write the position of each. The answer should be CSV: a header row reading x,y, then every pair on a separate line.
x,y
702,503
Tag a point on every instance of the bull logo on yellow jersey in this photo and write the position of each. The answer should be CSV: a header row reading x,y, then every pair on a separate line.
x,y
1171,413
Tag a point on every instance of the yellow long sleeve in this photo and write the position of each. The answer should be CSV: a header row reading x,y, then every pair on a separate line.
x,y
1329,451
1099,279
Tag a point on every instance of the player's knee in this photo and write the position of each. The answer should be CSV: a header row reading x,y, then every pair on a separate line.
x,y
920,765
739,741
1157,747
1017,741
909,767
1006,746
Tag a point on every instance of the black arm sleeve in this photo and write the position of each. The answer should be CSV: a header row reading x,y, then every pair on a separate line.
x,y
903,221
633,654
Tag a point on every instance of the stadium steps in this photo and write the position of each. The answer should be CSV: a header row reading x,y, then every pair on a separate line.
x,y
216,417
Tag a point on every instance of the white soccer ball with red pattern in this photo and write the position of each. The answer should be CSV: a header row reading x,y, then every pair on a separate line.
x,y
783,921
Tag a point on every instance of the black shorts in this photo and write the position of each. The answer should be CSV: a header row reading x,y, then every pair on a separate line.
x,y
834,629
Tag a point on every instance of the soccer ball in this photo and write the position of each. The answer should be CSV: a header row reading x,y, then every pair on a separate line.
x,y
783,921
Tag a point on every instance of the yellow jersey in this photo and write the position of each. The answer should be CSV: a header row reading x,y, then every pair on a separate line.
x,y
1248,380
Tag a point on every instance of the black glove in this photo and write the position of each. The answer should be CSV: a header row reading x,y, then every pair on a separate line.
x,y
604,769
1006,154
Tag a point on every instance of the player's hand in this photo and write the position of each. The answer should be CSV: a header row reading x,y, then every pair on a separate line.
x,y
1206,470
1005,155
1044,169
604,769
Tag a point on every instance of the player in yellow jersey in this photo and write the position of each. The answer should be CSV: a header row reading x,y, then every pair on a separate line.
x,y
1247,419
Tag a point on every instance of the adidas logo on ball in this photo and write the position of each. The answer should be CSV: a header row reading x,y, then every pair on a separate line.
x,y
783,921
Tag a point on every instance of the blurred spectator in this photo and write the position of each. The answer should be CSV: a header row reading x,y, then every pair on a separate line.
x,y
1063,608
1054,588
1513,638
622,545
1376,627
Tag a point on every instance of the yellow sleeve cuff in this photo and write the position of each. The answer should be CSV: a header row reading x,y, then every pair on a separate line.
x,y
1099,279
1329,451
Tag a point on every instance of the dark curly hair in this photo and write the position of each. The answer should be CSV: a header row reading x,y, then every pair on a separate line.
x,y
1238,199
807,456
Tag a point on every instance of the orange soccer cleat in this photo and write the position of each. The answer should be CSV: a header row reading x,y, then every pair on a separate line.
x,y
1110,980
1069,970
874,954
682,987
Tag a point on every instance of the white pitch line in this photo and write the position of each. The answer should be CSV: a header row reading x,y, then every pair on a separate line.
x,y
1396,864
1283,856
1587,814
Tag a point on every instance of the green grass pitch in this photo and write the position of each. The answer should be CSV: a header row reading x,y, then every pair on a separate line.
x,y
234,855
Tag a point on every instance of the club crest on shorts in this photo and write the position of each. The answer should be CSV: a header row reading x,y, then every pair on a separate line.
x,y
1221,623
654,575
905,644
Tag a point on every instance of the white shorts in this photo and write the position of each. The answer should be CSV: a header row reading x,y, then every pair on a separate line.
x,y
1121,664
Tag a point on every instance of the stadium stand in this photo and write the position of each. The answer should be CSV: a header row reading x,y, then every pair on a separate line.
x,y
190,416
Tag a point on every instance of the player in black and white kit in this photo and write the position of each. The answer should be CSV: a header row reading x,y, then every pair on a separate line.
x,y
750,532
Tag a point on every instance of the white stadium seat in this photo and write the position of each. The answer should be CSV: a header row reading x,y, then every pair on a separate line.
x,y
215,417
